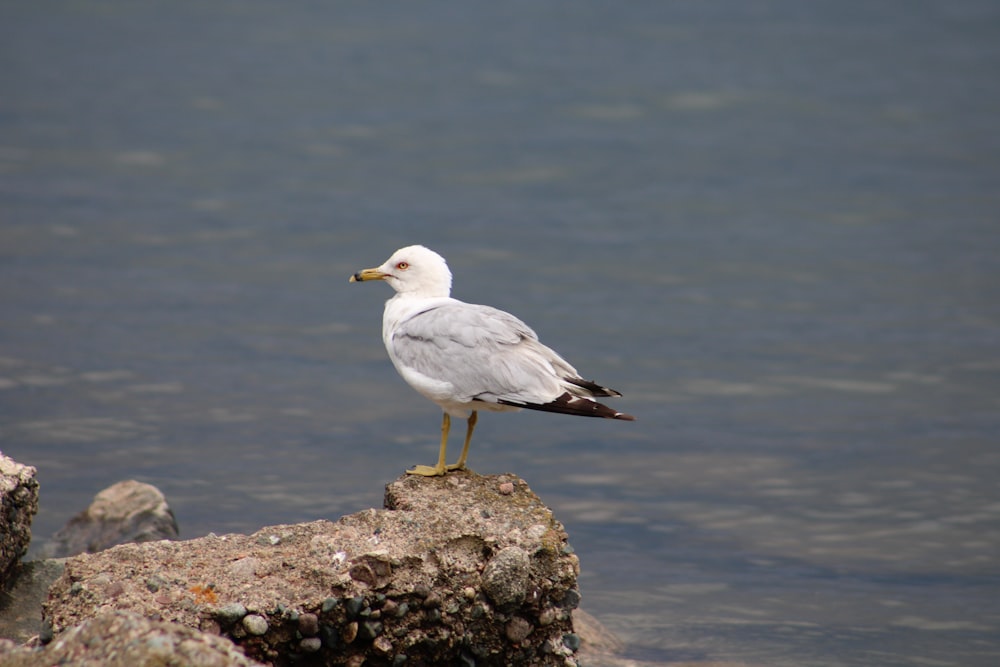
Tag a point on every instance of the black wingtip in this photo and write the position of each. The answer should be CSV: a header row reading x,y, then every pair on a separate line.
x,y
592,387
568,404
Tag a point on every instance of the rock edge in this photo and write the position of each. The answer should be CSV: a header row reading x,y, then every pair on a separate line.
x,y
464,569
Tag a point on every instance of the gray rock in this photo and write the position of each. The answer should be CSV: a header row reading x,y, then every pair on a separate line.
x,y
126,639
255,624
128,511
404,581
506,577
18,505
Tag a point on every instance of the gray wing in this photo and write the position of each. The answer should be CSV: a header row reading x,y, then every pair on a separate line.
x,y
484,353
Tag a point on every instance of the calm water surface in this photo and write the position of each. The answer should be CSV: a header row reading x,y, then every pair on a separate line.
x,y
772,225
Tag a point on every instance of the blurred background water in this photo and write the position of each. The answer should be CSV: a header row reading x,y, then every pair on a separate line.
x,y
773,225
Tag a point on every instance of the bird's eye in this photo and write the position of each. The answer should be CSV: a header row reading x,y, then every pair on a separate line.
x,y
403,266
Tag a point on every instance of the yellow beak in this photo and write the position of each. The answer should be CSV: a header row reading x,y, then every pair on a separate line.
x,y
367,274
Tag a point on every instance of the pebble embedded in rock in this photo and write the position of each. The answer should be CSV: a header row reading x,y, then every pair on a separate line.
x,y
310,644
571,600
244,568
382,644
255,624
230,613
505,577
329,636
370,629
363,573
518,629
349,632
353,606
309,625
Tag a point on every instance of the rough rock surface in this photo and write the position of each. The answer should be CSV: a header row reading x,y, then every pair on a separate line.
x,y
462,569
18,505
125,639
124,512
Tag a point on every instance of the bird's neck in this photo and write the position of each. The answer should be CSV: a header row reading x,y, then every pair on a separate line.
x,y
405,305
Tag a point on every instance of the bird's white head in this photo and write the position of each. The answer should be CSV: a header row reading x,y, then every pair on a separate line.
x,y
413,270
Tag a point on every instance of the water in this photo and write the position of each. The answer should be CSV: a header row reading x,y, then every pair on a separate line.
x,y
771,225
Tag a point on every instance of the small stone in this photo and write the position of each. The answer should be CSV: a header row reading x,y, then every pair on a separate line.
x,y
370,629
506,488
311,644
255,624
402,609
400,660
505,577
349,632
382,644
244,568
230,613
547,617
518,629
309,625
329,605
353,606
571,600
469,592
571,641
363,573
46,634
329,636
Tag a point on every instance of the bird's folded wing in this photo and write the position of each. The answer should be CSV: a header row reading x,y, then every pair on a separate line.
x,y
483,353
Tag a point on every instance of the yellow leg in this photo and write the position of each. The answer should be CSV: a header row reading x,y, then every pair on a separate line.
x,y
440,468
460,464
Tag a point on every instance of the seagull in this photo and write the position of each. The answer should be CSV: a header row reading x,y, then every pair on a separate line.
x,y
467,357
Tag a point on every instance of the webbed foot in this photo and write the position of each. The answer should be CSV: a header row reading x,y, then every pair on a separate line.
x,y
428,471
